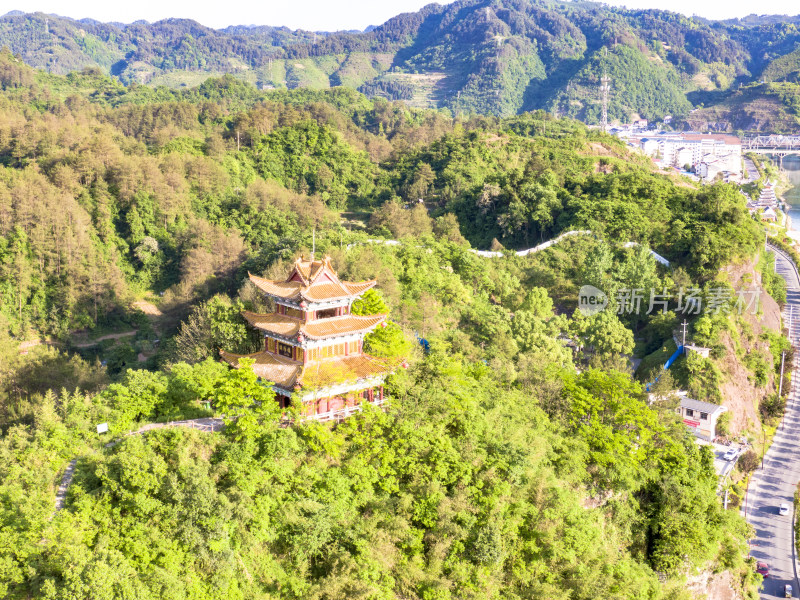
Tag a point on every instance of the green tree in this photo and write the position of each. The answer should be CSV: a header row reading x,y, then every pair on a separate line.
x,y
140,395
538,302
248,404
596,268
748,462
423,179
213,326
370,303
196,382
604,334
387,341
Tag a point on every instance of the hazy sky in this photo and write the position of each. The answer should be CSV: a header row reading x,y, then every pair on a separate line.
x,y
330,15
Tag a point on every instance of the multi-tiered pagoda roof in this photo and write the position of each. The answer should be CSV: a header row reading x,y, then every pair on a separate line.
x,y
311,281
313,342
290,328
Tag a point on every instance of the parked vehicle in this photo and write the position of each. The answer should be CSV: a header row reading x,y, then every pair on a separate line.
x,y
784,509
787,591
762,569
731,454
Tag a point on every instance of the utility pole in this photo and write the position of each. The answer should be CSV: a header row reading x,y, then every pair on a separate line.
x,y
684,333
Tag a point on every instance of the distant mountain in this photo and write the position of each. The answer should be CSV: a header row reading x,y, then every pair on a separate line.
x,y
485,56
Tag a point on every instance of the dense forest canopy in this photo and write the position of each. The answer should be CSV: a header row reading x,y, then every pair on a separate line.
x,y
517,456
471,56
109,192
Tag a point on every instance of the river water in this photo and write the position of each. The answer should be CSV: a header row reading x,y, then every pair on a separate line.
x,y
791,166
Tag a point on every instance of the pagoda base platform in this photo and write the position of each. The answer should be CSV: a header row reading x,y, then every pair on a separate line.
x,y
326,406
340,414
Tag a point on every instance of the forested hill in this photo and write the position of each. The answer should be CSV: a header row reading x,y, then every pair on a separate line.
x,y
110,192
516,458
496,57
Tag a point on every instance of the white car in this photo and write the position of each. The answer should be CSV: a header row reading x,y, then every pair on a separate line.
x,y
784,509
731,454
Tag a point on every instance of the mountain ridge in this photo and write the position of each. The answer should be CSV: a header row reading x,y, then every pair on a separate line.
x,y
499,57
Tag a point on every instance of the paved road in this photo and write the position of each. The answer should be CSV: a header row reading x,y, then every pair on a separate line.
x,y
775,483
721,466
66,480
752,172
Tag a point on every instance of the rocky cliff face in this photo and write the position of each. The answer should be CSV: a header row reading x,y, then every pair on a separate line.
x,y
739,391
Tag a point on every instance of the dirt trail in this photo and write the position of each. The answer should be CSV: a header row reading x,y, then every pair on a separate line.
x,y
26,346
148,308
110,336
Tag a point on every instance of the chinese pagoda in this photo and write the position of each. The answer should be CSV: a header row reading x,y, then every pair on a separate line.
x,y
313,343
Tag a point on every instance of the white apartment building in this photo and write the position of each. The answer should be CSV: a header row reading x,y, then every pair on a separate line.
x,y
692,148
710,166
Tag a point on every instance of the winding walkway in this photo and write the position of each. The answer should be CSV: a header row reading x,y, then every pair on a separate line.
x,y
544,245
66,480
208,424
776,481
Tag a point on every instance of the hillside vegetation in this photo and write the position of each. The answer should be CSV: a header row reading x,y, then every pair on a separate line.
x,y
772,107
471,56
517,456
110,192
